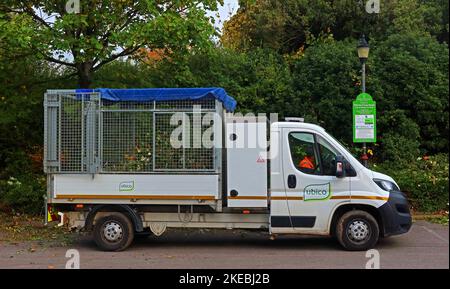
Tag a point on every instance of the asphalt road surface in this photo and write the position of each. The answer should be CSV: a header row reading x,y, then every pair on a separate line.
x,y
425,246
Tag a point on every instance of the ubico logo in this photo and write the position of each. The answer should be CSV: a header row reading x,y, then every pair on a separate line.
x,y
317,192
126,186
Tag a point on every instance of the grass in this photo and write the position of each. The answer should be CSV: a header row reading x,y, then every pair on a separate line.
x,y
442,220
15,228
439,217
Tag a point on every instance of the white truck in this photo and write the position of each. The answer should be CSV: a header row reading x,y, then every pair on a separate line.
x,y
122,162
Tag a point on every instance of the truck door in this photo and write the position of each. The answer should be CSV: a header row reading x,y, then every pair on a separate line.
x,y
312,188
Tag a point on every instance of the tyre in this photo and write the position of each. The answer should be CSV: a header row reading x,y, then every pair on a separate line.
x,y
114,232
357,231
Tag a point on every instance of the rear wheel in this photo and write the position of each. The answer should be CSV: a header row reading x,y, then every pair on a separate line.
x,y
357,231
114,232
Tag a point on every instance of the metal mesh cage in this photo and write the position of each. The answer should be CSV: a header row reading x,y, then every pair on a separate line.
x,y
71,134
127,141
84,134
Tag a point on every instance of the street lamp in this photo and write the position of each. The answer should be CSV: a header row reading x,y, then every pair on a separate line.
x,y
363,54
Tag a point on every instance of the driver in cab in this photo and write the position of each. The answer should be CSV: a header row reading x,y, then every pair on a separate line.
x,y
308,163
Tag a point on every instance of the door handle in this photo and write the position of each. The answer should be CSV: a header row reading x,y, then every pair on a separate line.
x,y
292,181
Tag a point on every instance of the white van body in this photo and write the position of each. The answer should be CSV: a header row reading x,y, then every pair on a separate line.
x,y
249,188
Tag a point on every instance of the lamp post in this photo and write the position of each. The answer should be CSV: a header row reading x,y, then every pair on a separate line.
x,y
363,54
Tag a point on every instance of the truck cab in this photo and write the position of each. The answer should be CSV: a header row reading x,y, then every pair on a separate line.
x,y
318,187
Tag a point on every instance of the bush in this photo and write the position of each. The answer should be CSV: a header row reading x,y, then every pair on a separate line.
x,y
400,137
23,193
425,181
409,76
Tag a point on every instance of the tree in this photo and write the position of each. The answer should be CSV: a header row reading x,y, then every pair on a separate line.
x,y
288,26
411,73
326,80
12,47
104,31
259,80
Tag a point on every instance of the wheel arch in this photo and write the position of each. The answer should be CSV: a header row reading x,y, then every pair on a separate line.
x,y
127,210
346,207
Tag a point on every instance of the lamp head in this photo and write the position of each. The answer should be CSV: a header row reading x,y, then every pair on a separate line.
x,y
363,49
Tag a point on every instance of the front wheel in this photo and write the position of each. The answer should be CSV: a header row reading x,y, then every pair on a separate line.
x,y
114,232
357,231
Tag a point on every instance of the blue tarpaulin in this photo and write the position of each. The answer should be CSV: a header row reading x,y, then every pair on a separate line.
x,y
165,94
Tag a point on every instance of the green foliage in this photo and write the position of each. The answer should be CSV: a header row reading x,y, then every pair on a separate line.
x,y
442,220
288,26
24,193
325,80
399,140
425,181
411,74
22,184
106,30
123,74
404,73
420,17
23,78
15,32
259,80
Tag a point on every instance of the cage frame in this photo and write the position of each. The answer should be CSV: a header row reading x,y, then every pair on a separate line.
x,y
93,132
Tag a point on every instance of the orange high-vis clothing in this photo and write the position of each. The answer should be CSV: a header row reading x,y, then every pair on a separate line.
x,y
307,163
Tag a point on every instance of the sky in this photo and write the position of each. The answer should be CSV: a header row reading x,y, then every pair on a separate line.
x,y
226,10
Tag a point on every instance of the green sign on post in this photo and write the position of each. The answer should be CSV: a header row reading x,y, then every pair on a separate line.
x,y
364,119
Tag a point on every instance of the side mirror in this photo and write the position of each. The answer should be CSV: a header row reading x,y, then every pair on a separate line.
x,y
340,167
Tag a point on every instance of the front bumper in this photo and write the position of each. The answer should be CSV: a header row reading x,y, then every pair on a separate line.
x,y
395,215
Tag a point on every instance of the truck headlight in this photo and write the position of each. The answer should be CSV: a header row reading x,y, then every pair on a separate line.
x,y
386,185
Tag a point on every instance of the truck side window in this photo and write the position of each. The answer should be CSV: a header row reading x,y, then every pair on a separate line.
x,y
327,156
303,152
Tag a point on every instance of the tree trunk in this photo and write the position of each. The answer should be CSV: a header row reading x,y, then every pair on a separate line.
x,y
84,71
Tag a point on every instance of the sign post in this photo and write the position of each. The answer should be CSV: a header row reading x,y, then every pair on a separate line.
x,y
364,121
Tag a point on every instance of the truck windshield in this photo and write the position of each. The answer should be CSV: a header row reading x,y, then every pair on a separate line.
x,y
342,145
